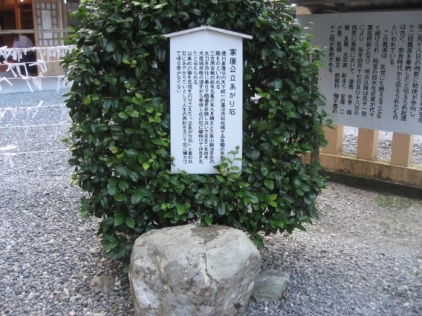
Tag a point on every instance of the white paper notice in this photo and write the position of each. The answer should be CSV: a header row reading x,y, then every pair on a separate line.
x,y
206,99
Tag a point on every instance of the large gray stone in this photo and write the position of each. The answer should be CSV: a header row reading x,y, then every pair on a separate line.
x,y
193,270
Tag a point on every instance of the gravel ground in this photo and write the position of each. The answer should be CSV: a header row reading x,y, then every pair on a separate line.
x,y
363,257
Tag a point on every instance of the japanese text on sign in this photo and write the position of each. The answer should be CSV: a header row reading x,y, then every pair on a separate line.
x,y
206,99
212,75
372,68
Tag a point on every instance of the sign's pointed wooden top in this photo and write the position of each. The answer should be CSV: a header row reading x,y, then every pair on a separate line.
x,y
208,28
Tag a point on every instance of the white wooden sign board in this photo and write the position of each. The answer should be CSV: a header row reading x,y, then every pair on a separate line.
x,y
371,76
206,97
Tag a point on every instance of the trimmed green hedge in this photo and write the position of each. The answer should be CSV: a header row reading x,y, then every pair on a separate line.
x,y
119,137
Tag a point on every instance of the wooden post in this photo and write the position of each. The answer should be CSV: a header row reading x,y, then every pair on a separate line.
x,y
334,137
367,144
402,149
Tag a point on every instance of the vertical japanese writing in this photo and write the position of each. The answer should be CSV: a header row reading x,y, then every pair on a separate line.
x,y
184,87
373,85
359,81
381,90
399,75
372,68
188,91
377,38
211,127
416,74
232,96
393,42
363,58
331,50
214,75
206,103
367,71
407,73
201,106
223,92
385,41
353,50
206,98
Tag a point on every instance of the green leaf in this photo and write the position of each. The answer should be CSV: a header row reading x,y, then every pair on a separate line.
x,y
291,114
307,200
272,197
266,52
264,170
208,221
258,241
134,176
279,53
105,202
100,127
131,152
123,185
112,190
251,199
269,184
134,113
221,209
300,227
106,224
196,12
119,219
277,84
160,6
272,203
123,115
130,222
181,209
87,100
136,197
120,197
158,141
220,178
253,154
111,47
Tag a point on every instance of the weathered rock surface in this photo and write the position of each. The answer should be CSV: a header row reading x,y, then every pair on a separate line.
x,y
104,282
193,270
271,285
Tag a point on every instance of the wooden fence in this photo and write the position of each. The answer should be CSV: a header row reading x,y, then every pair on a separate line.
x,y
398,168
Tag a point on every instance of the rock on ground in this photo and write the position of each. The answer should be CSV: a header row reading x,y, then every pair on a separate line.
x,y
193,270
271,285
